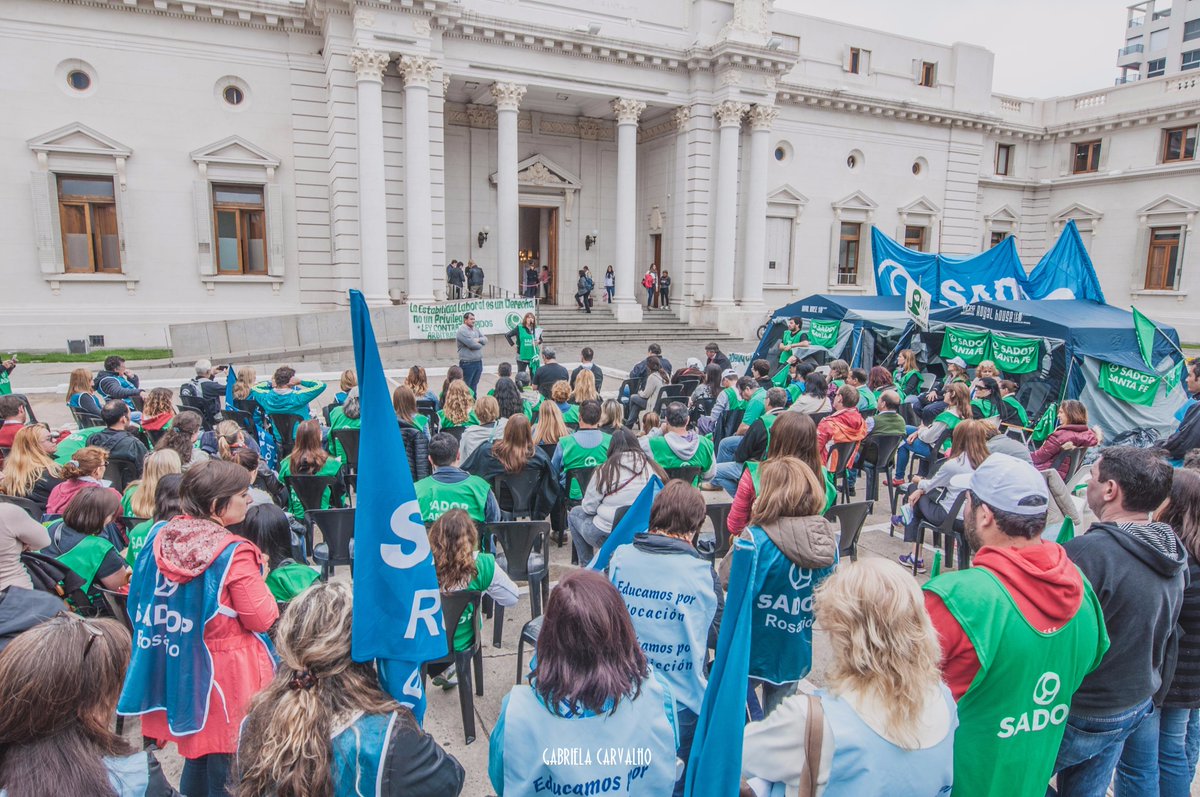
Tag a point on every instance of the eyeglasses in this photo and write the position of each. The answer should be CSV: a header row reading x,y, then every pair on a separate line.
x,y
93,632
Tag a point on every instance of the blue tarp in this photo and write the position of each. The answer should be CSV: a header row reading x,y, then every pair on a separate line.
x,y
866,320
1064,272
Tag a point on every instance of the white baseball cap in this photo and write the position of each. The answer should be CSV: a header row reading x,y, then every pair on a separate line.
x,y
1008,484
959,361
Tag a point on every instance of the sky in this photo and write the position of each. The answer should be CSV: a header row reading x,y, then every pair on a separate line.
x,y
1043,48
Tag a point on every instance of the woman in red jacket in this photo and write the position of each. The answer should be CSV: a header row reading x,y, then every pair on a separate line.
x,y
199,652
1072,432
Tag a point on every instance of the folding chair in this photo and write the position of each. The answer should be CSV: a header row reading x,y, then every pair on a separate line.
x,y
850,519
337,535
521,549
454,605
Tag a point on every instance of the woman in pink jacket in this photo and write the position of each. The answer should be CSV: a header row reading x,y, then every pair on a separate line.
x,y
1072,432
201,610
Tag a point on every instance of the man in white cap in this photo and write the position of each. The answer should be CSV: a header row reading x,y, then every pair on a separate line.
x,y
1019,631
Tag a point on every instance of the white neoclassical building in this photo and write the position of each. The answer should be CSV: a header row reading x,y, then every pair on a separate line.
x,y
185,160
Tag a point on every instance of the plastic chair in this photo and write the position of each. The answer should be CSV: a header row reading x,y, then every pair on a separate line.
x,y
284,424
817,417
129,521
517,492
428,408
582,477
668,394
121,473
454,604
243,419
950,531
522,553
930,459
310,492
327,411
718,515
1074,459
883,461
152,436
689,384
32,508
529,633
688,473
700,409
337,535
348,439
85,420
454,431
841,460
850,518
29,416
1033,396
200,407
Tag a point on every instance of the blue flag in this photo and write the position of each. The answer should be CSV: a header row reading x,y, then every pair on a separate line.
x,y
950,279
397,603
636,520
230,379
1066,271
714,767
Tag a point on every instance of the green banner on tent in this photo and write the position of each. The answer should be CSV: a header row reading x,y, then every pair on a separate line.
x,y
1128,385
823,333
1016,355
970,345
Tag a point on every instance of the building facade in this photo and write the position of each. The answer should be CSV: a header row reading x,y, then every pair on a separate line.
x,y
1162,37
184,160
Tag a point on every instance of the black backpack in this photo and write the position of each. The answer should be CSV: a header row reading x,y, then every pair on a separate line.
x,y
50,575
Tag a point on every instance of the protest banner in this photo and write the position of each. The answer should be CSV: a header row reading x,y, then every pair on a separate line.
x,y
440,321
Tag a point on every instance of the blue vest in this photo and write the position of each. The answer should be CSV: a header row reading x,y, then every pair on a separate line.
x,y
358,755
628,752
171,667
867,765
782,619
672,604
129,775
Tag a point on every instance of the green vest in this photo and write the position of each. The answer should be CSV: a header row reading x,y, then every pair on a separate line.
x,y
665,456
436,498
869,395
330,468
788,339
1012,717
576,456
571,415
421,421
733,400
289,580
5,384
485,571
1016,405
755,407
830,487
85,558
527,348
951,420
986,408
137,540
794,391
127,500
67,448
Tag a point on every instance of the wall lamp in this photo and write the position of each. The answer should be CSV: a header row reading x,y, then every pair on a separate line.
x,y
590,240
482,237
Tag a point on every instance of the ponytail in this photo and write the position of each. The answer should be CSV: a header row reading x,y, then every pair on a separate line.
x,y
85,462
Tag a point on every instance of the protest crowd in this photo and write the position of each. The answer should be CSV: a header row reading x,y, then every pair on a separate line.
x,y
170,561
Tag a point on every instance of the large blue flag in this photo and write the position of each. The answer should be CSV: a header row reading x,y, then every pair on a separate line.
x,y
635,521
715,765
950,279
1066,271
397,604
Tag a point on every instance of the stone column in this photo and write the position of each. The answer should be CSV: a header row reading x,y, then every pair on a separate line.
x,y
369,67
508,273
418,207
761,118
628,274
729,118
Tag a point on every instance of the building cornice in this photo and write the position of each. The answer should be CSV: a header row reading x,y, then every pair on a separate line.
x,y
1095,178
244,13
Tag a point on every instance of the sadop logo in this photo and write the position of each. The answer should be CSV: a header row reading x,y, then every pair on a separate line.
x,y
1046,689
512,319
1045,692
800,577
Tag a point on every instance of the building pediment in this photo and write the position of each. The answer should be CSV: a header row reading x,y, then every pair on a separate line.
x,y
235,151
855,201
78,139
1003,213
787,195
1168,203
1078,211
921,206
541,172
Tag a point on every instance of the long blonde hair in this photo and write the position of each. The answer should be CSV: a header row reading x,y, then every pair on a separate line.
x,y
287,745
160,463
79,382
550,426
416,381
883,642
786,488
246,377
585,387
459,403
26,463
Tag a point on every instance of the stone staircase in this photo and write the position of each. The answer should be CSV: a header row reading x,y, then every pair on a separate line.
x,y
565,326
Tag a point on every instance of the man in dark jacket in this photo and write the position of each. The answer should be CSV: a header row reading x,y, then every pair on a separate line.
x,y
454,280
638,371
715,355
118,382
1137,568
585,364
206,388
474,279
117,440
550,372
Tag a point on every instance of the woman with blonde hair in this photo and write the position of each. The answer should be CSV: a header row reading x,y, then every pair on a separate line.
x,y
138,500
585,388
456,409
907,376
29,470
418,383
83,471
158,410
885,720
612,415
323,727
79,393
797,550
514,453
348,381
551,426
246,377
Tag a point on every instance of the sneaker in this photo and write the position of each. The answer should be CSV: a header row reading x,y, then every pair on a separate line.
x,y
906,560
851,491
897,520
897,482
447,678
710,487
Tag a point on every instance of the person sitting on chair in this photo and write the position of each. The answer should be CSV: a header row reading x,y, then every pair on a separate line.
x,y
450,487
678,447
287,393
121,444
1072,432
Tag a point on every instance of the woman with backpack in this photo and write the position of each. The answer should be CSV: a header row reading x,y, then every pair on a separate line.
x,y
650,283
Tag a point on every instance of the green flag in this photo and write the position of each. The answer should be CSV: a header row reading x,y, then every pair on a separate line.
x,y
1045,424
1066,531
781,377
1144,328
1128,385
823,333
1015,355
936,570
972,346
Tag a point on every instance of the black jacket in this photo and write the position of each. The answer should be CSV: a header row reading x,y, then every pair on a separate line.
x,y
415,765
474,275
547,375
754,442
416,446
210,391
123,445
481,463
720,359
1184,691
1186,437
596,372
22,609
640,369
1140,589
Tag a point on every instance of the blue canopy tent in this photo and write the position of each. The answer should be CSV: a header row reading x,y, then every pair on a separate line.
x,y
1086,350
867,326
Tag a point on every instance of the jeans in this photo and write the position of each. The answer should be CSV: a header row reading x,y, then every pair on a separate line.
x,y
1137,769
1178,750
649,297
927,509
727,476
1090,749
609,290
471,372
728,447
906,450
584,535
686,719
206,776
664,297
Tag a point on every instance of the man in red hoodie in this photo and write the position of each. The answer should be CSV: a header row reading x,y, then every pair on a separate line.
x,y
1019,631
844,425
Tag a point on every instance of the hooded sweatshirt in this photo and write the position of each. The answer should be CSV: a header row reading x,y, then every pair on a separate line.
x,y
684,446
1138,572
603,506
810,542
1043,582
844,426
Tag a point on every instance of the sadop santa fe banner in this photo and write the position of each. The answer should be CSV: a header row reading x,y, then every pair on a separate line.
x,y
1012,355
1065,272
397,603
635,521
823,332
715,765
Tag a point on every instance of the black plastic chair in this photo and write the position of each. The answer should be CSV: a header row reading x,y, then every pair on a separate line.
x,y
310,492
1033,396
529,633
817,417
327,411
29,416
521,549
931,459
337,535
121,472
517,492
32,508
348,439
882,461
841,461
689,384
850,518
243,419
1074,459
201,407
428,408
666,395
152,436
718,514
688,473
950,530
582,477
454,604
454,431
85,420
727,425
129,521
701,408
284,424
